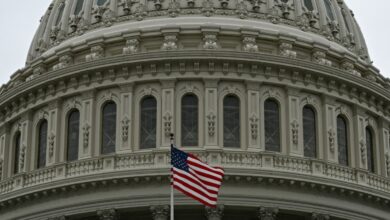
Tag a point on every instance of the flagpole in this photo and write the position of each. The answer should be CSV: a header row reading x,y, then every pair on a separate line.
x,y
172,202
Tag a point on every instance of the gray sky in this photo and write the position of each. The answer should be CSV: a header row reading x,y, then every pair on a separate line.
x,y
20,19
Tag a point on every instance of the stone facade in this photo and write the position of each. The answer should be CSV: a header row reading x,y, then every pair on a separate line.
x,y
211,49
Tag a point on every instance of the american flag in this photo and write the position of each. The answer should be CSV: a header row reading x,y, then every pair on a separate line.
x,y
194,178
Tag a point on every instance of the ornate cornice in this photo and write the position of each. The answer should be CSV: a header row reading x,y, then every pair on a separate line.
x,y
256,67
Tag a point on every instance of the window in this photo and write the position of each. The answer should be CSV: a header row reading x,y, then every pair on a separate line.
x,y
60,12
16,152
342,140
231,121
101,2
189,120
271,125
42,144
370,150
108,128
73,135
329,10
148,122
308,4
79,7
309,132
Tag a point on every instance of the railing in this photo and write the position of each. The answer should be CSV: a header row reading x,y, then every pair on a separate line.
x,y
230,160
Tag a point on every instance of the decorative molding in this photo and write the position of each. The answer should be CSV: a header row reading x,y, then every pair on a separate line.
x,y
332,139
363,150
210,41
211,120
132,46
22,158
285,7
286,50
294,131
256,4
64,61
125,128
107,214
249,44
208,9
167,123
320,58
267,213
170,42
86,129
214,213
97,52
61,217
254,124
388,164
317,216
160,212
51,139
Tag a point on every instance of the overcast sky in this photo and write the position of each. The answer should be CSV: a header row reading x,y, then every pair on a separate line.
x,y
19,20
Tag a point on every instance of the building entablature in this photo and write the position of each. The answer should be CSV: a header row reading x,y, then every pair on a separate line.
x,y
136,68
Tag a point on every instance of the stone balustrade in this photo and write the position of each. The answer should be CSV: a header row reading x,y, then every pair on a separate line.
x,y
303,169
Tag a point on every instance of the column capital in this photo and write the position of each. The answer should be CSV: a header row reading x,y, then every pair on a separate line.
x,y
268,213
214,213
160,212
107,214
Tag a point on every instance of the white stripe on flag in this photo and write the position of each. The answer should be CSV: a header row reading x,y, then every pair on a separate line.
x,y
184,188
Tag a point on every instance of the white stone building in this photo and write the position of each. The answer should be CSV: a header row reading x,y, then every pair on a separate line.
x,y
281,93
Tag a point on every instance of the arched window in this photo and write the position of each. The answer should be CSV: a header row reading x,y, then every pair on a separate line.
x,y
79,7
59,14
42,144
370,150
231,121
309,132
16,152
342,140
272,125
148,122
308,4
189,120
329,10
101,2
73,135
108,128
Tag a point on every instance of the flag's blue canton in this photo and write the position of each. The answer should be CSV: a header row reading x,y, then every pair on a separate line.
x,y
179,159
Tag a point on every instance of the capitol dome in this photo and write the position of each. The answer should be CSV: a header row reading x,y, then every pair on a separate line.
x,y
280,93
